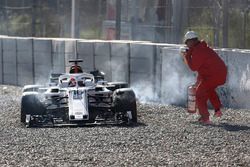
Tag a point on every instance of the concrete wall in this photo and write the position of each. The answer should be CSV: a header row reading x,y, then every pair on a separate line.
x,y
42,52
159,65
9,46
1,61
155,71
120,54
176,77
238,78
142,60
70,51
25,61
58,56
85,51
102,58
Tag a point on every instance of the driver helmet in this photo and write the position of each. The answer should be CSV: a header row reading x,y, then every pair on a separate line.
x,y
72,82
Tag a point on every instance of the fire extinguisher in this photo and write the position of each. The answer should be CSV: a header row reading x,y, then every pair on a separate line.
x,y
191,100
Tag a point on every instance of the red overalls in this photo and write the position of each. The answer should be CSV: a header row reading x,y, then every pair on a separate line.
x,y
212,72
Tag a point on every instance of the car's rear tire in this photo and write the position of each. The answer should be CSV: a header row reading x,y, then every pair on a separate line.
x,y
30,104
124,100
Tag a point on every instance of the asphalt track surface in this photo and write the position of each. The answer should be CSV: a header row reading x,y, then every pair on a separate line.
x,y
165,136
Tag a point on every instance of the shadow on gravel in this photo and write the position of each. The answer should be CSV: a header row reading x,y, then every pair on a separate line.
x,y
134,125
229,127
226,126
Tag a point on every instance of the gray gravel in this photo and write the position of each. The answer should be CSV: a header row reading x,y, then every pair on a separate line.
x,y
164,136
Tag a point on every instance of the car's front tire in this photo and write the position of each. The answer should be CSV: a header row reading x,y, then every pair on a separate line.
x,y
30,104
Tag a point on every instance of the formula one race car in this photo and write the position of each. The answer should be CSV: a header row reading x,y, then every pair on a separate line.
x,y
78,98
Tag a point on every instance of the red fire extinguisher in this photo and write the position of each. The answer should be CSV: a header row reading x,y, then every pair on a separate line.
x,y
191,100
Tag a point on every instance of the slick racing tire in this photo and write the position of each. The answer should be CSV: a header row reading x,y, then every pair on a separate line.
x,y
124,100
117,85
30,104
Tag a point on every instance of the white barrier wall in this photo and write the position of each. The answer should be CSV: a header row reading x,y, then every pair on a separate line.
x,y
102,58
1,61
120,61
85,51
142,62
70,51
158,68
155,71
42,59
9,61
239,78
176,77
25,61
58,56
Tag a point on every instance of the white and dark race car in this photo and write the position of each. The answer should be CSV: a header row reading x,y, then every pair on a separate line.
x,y
78,98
